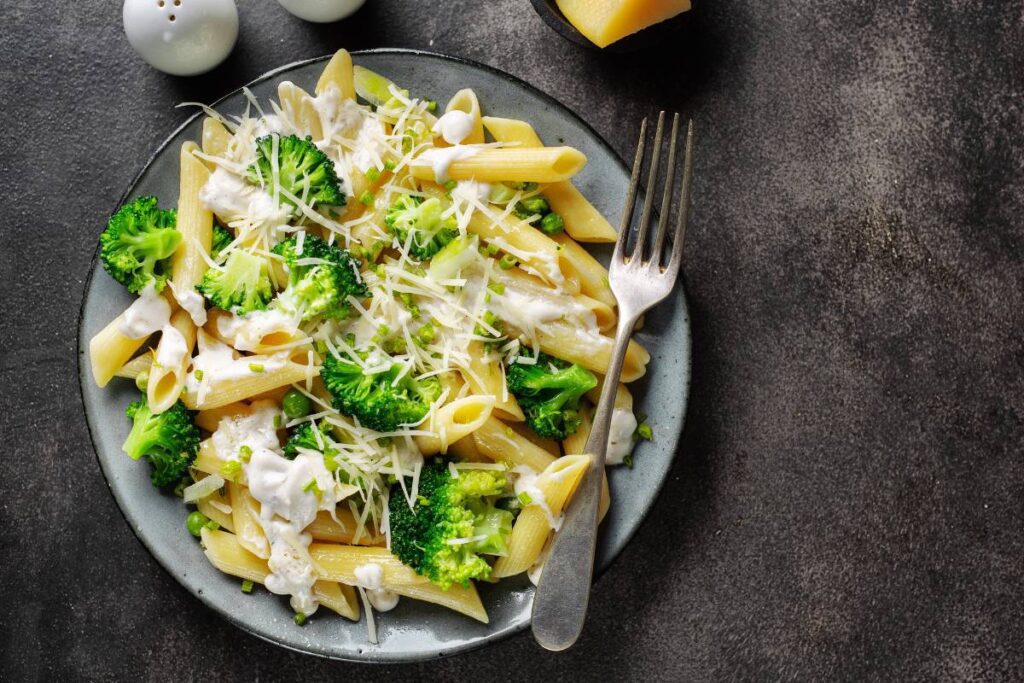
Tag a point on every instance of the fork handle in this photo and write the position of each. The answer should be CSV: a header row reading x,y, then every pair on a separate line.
x,y
563,591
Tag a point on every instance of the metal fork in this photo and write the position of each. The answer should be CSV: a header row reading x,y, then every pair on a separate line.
x,y
639,281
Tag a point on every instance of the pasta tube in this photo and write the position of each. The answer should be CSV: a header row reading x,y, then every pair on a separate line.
x,y
514,164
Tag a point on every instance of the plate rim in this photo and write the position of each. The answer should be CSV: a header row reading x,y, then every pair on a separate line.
x,y
387,658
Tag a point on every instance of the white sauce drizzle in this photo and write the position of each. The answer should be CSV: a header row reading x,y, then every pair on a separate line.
x,y
440,159
172,349
370,577
147,314
192,302
454,126
620,436
526,483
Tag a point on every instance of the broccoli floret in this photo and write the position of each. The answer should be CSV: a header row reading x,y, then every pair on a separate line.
x,y
430,232
221,239
549,393
377,400
320,289
138,242
302,170
241,285
169,440
305,436
453,522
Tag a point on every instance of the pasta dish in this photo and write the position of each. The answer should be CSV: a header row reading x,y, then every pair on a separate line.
x,y
367,342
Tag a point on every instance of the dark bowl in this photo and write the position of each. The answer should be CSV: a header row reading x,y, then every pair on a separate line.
x,y
646,38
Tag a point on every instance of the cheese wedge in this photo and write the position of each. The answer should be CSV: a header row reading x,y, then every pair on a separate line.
x,y
605,21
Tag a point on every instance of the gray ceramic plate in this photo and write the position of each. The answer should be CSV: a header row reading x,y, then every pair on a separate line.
x,y
414,631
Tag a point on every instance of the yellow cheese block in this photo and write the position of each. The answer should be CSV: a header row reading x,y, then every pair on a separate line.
x,y
605,21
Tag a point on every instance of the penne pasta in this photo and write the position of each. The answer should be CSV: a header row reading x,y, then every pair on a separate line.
x,y
339,563
501,443
591,351
583,222
484,377
497,164
245,514
173,354
465,100
584,269
338,73
272,372
195,223
216,140
136,366
455,421
577,443
555,486
109,350
228,555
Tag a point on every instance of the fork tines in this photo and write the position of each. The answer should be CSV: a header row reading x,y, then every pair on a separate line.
x,y
643,253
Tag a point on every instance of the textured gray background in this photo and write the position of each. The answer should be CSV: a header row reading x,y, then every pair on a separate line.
x,y
848,499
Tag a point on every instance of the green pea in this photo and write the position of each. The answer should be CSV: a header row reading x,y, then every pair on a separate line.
x,y
296,404
195,522
552,224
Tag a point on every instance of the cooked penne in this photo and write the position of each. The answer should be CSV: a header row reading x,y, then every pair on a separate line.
x,y
583,268
577,443
298,110
167,374
497,164
465,100
136,366
110,349
499,442
228,555
265,373
195,223
553,490
339,563
245,513
583,222
216,140
592,351
338,73
454,421
484,377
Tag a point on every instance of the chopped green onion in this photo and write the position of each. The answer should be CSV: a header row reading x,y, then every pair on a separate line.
x,y
366,198
426,334
525,498
313,487
507,261
256,367
247,586
231,469
492,248
244,453
450,185
142,380
431,105
390,165
300,618
496,287
524,186
278,421
644,431
199,375
212,525
373,174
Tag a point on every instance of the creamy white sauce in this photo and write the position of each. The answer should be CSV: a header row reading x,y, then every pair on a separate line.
x,y
247,332
256,430
147,314
440,159
232,198
370,577
288,494
338,116
172,349
191,302
526,482
454,126
620,436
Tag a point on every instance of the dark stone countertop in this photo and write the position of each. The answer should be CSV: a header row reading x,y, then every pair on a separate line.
x,y
848,498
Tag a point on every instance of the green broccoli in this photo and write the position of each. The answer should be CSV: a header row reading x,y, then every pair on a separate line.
x,y
549,393
305,436
241,285
221,239
138,242
453,522
301,169
430,232
169,440
322,288
377,400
